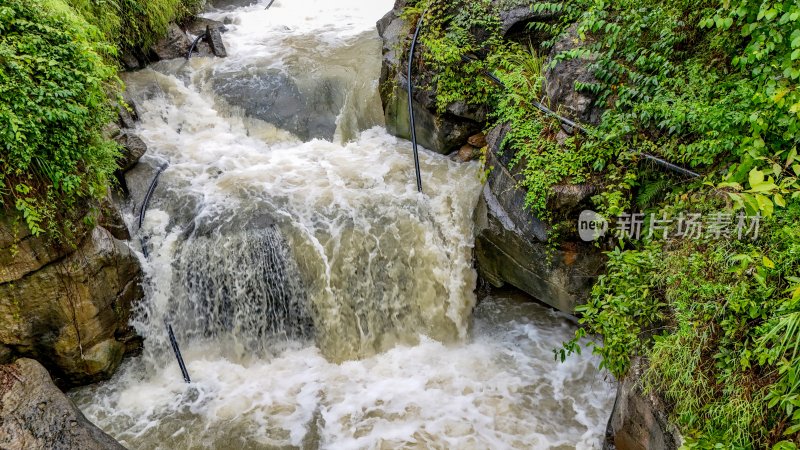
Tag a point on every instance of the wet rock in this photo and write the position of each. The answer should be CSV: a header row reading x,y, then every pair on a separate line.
x,y
214,38
200,25
34,414
468,153
568,197
478,140
463,110
560,83
133,148
515,18
174,45
208,36
130,61
511,245
274,97
127,118
111,219
441,133
639,421
231,4
64,307
6,355
21,253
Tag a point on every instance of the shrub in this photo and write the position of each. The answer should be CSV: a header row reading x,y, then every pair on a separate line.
x,y
54,85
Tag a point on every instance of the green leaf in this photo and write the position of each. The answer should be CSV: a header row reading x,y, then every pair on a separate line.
x,y
768,263
765,205
756,177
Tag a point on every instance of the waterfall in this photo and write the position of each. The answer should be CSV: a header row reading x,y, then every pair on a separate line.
x,y
319,300
245,285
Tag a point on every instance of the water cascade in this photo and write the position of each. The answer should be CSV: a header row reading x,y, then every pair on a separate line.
x,y
319,299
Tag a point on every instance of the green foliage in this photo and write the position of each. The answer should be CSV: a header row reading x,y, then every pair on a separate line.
x,y
451,31
53,106
134,24
708,84
621,309
58,90
531,136
719,324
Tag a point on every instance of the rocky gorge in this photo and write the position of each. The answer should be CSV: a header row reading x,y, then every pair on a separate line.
x,y
71,309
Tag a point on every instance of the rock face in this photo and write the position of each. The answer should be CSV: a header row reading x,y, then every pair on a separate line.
x,y
68,309
274,97
214,39
35,415
513,19
511,245
175,45
441,133
560,83
639,421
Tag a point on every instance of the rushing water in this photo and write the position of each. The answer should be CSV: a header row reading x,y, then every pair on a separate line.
x,y
320,301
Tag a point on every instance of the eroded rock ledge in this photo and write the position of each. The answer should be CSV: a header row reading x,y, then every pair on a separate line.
x,y
512,246
69,311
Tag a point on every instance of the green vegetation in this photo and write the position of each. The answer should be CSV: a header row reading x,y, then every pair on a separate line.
x,y
134,24
58,90
711,85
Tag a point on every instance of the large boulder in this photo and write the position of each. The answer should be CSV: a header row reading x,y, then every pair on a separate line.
x,y
231,4
440,132
175,44
512,244
639,420
35,415
274,96
68,309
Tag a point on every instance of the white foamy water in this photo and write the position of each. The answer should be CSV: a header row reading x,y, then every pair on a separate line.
x,y
501,390
320,301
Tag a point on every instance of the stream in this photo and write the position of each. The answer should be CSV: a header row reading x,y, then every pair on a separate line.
x,y
319,300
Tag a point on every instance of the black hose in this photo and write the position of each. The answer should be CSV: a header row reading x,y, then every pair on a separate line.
x,y
149,194
177,351
194,44
575,126
270,4
411,103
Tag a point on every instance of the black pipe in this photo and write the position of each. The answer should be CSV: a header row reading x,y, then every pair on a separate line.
x,y
143,242
411,103
270,4
194,44
576,126
177,351
149,194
